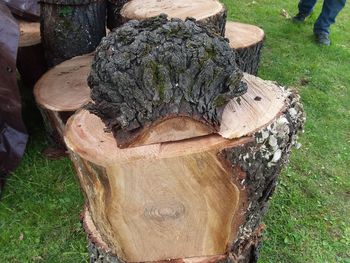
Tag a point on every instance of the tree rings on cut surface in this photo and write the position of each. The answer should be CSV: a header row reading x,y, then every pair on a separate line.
x,y
210,13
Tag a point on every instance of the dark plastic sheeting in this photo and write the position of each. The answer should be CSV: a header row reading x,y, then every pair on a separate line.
x,y
13,136
28,9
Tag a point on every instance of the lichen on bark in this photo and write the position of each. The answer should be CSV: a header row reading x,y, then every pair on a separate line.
x,y
157,68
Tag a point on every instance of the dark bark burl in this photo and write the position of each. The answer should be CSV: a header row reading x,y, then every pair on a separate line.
x,y
154,69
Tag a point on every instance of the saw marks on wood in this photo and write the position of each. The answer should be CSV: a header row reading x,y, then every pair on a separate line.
x,y
161,201
260,105
29,33
171,208
243,35
64,87
198,9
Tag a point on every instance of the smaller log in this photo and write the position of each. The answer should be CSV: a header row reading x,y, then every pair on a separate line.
x,y
210,13
71,28
60,92
114,18
248,41
31,63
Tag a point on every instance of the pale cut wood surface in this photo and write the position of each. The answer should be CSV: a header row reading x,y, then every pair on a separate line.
x,y
161,201
260,105
64,87
85,134
243,35
198,9
29,33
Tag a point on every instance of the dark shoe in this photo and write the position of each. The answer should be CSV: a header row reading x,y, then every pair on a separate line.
x,y
299,18
322,39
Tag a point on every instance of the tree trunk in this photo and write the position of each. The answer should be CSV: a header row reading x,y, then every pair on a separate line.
x,y
114,18
31,63
198,199
60,92
71,28
248,41
210,13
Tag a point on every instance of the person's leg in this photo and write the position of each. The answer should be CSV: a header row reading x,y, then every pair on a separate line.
x,y
305,8
330,10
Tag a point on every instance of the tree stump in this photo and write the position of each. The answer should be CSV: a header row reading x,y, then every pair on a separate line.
x,y
248,41
210,13
31,63
60,92
208,145
197,199
71,28
114,18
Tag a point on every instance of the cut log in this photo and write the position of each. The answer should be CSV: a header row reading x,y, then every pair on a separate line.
x,y
31,63
210,13
71,28
114,18
248,41
200,199
60,92
150,71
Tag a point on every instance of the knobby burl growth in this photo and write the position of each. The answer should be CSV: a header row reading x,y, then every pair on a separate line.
x,y
147,71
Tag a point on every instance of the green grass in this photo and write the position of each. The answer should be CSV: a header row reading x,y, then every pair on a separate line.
x,y
309,216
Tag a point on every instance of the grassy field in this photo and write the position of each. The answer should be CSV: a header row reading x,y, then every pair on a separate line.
x,y
309,217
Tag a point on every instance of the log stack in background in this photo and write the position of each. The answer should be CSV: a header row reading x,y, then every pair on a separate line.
x,y
193,150
210,13
31,63
248,41
60,92
71,28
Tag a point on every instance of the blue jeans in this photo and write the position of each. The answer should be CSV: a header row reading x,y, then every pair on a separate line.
x,y
330,10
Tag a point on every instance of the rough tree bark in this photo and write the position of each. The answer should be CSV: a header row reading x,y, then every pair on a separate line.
x,y
60,92
114,18
248,41
31,63
210,13
141,212
71,28
151,70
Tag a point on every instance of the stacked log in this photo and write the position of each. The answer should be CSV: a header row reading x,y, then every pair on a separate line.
x,y
248,41
62,91
71,28
31,63
179,153
210,13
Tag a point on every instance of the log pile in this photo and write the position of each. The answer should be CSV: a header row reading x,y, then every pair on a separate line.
x,y
179,151
31,63
248,41
71,28
210,13
62,91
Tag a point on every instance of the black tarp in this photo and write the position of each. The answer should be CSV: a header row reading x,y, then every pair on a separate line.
x,y
13,136
27,9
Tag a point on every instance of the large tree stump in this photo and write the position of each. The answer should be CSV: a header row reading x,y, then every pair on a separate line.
x,y
210,13
31,63
71,27
60,92
114,18
197,199
248,41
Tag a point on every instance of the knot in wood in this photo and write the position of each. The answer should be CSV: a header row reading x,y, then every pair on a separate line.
x,y
154,69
